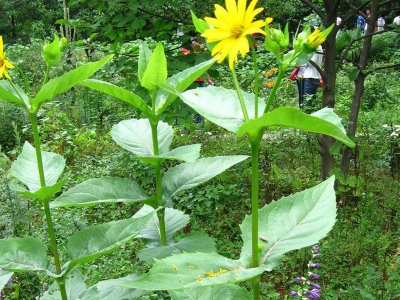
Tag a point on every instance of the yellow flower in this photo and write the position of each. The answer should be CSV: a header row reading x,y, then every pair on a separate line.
x,y
270,84
315,39
230,28
271,72
4,64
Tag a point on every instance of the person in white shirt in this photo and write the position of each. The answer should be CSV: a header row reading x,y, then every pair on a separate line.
x,y
397,19
380,24
308,79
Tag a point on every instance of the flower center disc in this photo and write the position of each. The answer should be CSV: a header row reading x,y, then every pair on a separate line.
x,y
1,62
236,31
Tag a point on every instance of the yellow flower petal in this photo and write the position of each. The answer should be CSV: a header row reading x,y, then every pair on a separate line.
x,y
230,27
4,64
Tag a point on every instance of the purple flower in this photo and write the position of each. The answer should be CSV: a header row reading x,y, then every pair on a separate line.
x,y
313,275
299,279
314,285
312,294
314,265
315,249
294,294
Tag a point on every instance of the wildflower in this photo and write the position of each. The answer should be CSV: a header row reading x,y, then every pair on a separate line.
x,y
314,265
385,125
52,52
271,72
4,63
314,285
394,133
312,294
315,39
310,290
270,84
231,27
313,275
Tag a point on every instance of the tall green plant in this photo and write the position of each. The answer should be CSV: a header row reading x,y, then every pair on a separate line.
x,y
149,139
293,222
40,172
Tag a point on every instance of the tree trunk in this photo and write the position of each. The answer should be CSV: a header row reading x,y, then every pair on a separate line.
x,y
328,98
359,86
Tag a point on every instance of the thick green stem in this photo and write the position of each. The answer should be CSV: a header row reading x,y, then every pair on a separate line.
x,y
256,87
50,228
275,88
240,95
160,202
255,147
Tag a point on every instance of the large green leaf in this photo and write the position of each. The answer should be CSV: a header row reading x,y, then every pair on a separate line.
x,y
109,289
61,84
189,270
174,220
218,292
180,82
90,243
25,167
7,92
74,284
156,70
4,278
23,255
135,136
293,222
144,58
221,106
191,174
189,153
101,190
324,121
193,242
119,93
44,193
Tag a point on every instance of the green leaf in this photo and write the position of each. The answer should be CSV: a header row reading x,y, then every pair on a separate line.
x,y
8,93
174,220
221,106
119,93
74,284
200,25
43,193
90,243
25,167
4,278
353,74
144,58
189,270
23,255
225,292
191,243
156,70
324,121
293,222
61,84
189,153
101,190
179,82
188,175
109,289
135,136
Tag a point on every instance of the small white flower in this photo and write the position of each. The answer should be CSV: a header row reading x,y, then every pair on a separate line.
x,y
394,133
385,125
